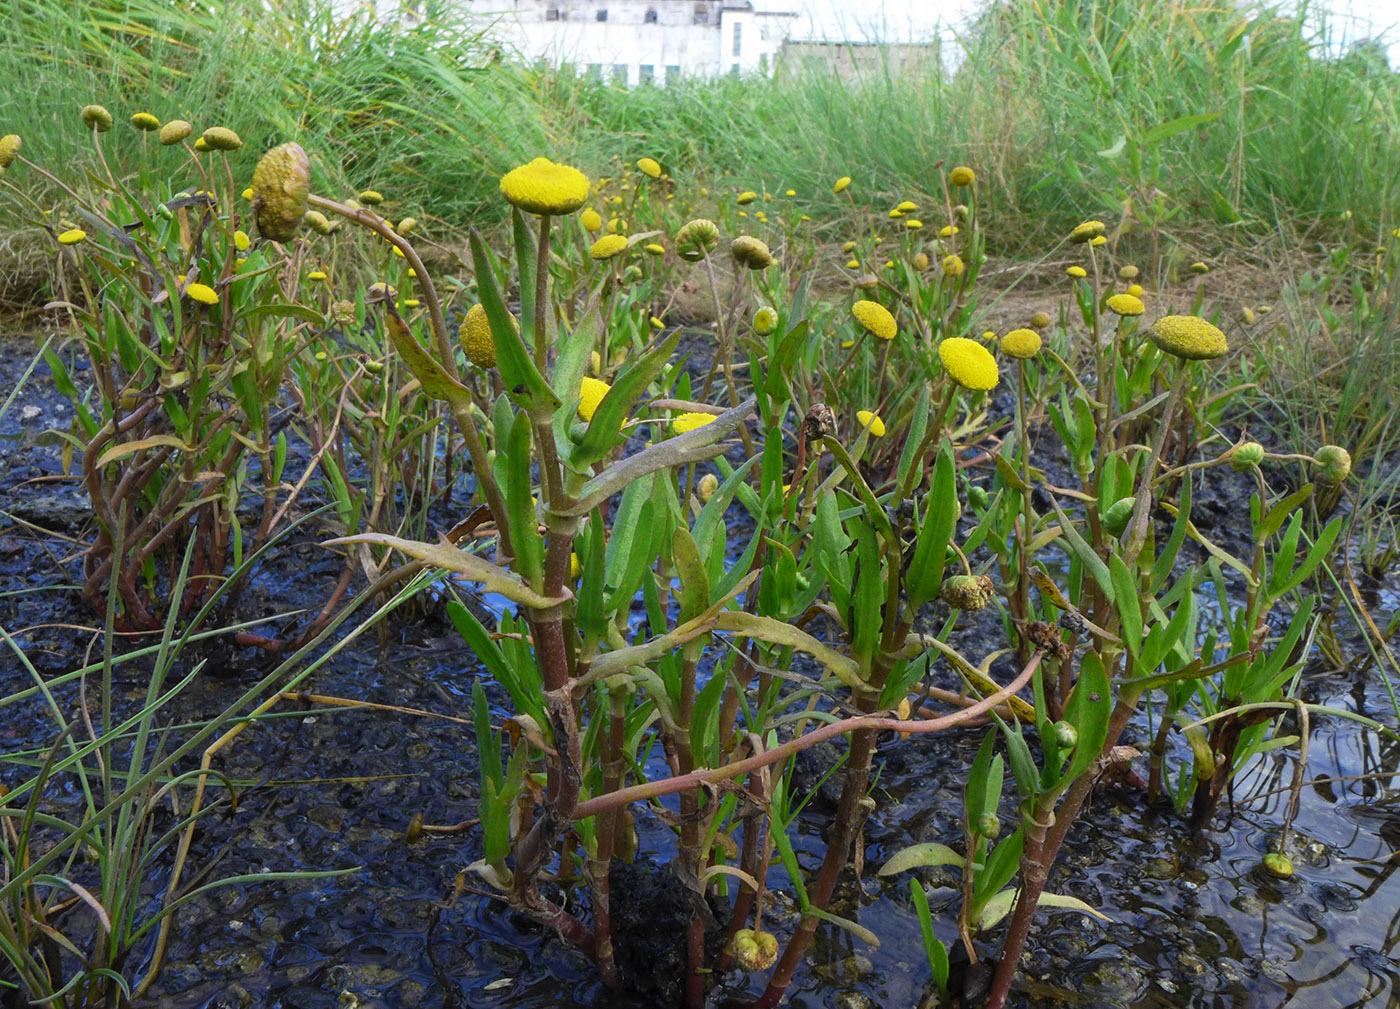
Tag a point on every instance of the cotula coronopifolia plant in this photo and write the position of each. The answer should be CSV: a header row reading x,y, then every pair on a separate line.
x,y
192,336
581,528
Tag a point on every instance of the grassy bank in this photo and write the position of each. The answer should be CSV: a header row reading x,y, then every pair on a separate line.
x,y
1179,114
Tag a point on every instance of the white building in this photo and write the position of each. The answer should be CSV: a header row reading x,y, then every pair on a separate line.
x,y
634,42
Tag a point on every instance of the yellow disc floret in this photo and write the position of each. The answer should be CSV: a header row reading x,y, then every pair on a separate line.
x,y
543,187
474,334
1189,337
875,318
1125,304
969,363
1021,343
871,420
608,246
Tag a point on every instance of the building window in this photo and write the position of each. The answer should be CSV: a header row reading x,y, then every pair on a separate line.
x,y
702,14
738,37
595,71
619,75
650,17
646,73
763,63
602,15
734,70
552,14
673,73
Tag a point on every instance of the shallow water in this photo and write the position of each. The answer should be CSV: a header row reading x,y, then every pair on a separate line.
x,y
1194,921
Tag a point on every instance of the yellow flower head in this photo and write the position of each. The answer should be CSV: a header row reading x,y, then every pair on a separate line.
x,y
1128,273
969,363
9,149
1077,272
590,219
907,207
1125,304
791,192
474,334
1021,343
657,323
765,320
746,197
221,138
1135,290
1086,231
616,226
1039,320
1098,240
914,224
841,184
608,246
875,318
947,231
921,262
872,421
371,197
281,185
853,264
953,266
751,252
655,248
72,236
407,225
849,247
650,168
316,275
95,117
202,293
201,145
145,122
247,193
688,422
1199,268
1189,337
543,187
961,176
591,392
175,131
240,240
696,239
896,213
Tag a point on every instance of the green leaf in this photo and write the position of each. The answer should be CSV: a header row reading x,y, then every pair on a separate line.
x,y
1172,127
919,856
1088,710
602,433
525,538
934,951
939,518
434,378
518,372
524,690
1125,597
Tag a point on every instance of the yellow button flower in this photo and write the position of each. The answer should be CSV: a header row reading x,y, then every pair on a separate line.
x,y
1021,343
240,240
590,219
474,334
175,131
1077,272
10,144
1125,304
875,318
872,421
608,246
1189,337
202,293
969,363
650,168
953,266
1086,231
543,187
747,197
72,236
841,184
961,176
907,207
688,422
145,122
316,275
591,392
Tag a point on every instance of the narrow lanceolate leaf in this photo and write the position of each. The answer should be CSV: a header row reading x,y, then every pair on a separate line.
x,y
1000,905
434,378
127,448
446,556
693,446
918,856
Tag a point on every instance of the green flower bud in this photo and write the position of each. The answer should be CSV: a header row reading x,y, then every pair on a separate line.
x,y
696,239
1066,735
751,252
1334,465
705,489
988,825
95,117
967,592
175,131
755,950
1247,457
9,149
221,138
765,320
1278,865
977,497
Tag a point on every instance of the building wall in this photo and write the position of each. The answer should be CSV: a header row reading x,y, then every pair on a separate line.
x,y
632,42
